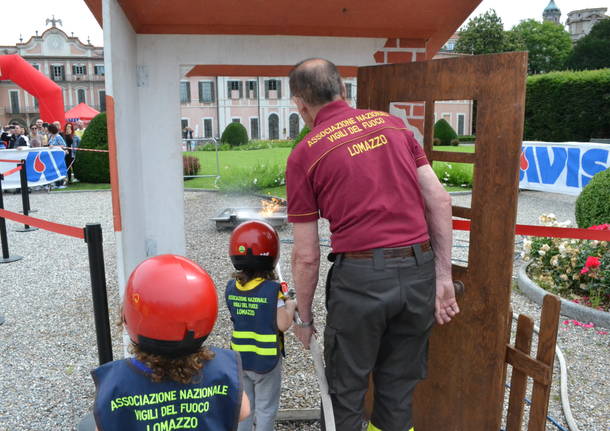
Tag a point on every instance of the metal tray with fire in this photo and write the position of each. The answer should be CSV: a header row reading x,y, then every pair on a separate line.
x,y
271,211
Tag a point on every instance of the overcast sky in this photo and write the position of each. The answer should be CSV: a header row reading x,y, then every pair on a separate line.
x,y
26,16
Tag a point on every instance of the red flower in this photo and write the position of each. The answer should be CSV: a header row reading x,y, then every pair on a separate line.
x,y
604,226
592,262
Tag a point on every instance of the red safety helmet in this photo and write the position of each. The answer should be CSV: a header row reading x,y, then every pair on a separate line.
x,y
170,305
254,245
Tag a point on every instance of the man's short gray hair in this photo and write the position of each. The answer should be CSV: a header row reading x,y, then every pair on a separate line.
x,y
315,80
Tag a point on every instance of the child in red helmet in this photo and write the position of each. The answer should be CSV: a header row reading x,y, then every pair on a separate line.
x,y
173,382
260,314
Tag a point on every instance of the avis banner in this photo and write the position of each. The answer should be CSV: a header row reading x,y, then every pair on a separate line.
x,y
43,166
565,167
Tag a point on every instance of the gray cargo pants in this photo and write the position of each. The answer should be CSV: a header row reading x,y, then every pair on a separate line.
x,y
380,312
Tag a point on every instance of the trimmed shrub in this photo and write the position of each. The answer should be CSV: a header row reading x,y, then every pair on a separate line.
x,y
593,204
455,142
235,134
444,132
304,131
89,166
190,165
568,106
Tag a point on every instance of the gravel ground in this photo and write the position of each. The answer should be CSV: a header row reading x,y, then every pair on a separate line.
x,y
48,346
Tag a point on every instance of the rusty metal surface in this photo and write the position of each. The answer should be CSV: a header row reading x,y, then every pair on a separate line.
x,y
466,360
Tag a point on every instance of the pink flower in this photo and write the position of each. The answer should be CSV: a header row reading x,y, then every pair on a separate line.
x,y
602,332
566,322
584,270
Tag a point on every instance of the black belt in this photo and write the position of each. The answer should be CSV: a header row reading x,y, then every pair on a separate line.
x,y
388,252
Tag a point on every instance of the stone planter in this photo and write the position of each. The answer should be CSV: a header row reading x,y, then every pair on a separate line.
x,y
568,308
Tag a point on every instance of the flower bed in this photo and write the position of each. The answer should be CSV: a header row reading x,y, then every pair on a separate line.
x,y
577,270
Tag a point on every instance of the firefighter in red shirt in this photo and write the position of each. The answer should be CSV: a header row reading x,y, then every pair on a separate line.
x,y
364,172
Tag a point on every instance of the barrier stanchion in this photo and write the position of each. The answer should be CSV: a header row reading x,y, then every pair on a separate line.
x,y
93,238
25,198
6,257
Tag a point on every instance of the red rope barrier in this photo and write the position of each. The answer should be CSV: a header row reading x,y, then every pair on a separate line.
x,y
548,231
9,161
12,171
62,229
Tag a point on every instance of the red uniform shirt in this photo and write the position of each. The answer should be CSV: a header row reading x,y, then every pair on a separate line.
x,y
358,169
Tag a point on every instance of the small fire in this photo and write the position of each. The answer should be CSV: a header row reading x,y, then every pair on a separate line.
x,y
270,207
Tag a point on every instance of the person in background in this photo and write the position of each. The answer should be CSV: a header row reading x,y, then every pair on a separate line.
x,y
19,139
170,307
80,129
35,137
56,140
72,142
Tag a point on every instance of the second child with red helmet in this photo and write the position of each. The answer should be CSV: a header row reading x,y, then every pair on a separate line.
x,y
260,314
173,382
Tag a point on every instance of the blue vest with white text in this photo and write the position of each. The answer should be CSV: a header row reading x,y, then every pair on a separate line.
x,y
255,334
127,399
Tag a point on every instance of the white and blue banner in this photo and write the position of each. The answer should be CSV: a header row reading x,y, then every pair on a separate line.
x,y
561,167
43,166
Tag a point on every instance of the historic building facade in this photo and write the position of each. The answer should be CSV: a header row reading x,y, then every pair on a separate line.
x,y
580,22
77,67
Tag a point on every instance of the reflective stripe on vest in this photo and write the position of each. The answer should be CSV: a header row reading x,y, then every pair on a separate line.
x,y
263,351
263,338
372,427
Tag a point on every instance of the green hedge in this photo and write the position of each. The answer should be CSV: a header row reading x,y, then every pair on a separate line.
x,y
89,166
568,106
593,203
304,131
444,133
235,134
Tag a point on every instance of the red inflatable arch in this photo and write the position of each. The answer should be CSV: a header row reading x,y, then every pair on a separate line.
x,y
48,93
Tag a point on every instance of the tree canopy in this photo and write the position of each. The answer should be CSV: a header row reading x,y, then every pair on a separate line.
x,y
592,51
547,43
485,34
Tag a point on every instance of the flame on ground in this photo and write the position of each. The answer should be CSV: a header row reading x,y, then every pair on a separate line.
x,y
270,207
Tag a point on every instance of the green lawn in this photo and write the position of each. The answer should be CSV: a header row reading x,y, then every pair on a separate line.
x,y
454,174
235,161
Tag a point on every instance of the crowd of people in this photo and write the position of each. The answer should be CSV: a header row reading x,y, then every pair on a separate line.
x,y
42,134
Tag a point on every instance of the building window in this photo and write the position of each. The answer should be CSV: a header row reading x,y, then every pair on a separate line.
x,y
275,86
348,90
460,125
293,125
236,120
185,92
15,101
207,128
184,123
80,95
206,91
274,126
36,66
58,73
98,69
254,128
102,95
252,90
234,89
79,69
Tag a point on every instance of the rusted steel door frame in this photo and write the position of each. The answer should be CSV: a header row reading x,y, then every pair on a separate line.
x,y
464,388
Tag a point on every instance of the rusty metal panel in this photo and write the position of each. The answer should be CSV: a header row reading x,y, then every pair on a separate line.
x,y
463,390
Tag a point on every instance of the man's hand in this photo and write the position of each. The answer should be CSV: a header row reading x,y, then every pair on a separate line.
x,y
446,305
304,334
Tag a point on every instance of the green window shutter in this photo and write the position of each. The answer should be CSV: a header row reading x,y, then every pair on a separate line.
x,y
266,89
255,89
241,89
228,89
213,91
279,88
201,92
